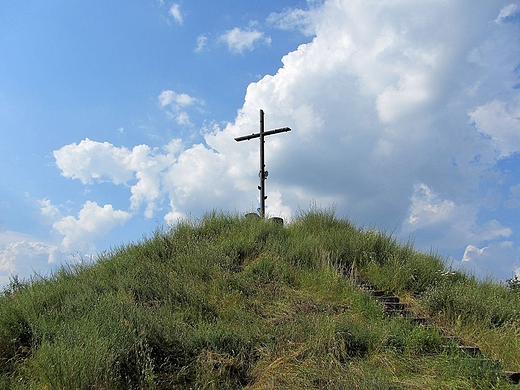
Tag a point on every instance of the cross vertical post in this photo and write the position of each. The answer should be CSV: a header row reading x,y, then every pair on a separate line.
x,y
263,173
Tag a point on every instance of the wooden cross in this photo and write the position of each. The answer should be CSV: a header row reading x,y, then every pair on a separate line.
x,y
263,173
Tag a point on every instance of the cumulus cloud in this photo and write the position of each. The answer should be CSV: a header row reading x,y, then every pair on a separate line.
x,y
239,40
91,160
93,221
149,169
400,114
22,254
140,168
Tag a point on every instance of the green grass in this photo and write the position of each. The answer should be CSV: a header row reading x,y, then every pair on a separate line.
x,y
229,302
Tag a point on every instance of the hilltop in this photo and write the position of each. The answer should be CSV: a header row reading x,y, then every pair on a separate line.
x,y
231,302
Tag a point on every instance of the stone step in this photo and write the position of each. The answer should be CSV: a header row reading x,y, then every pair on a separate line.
x,y
394,306
387,299
402,313
378,293
513,376
423,321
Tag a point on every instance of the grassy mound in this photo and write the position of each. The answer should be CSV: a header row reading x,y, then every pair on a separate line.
x,y
231,302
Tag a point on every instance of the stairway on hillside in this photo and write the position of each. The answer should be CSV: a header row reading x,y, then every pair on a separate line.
x,y
393,306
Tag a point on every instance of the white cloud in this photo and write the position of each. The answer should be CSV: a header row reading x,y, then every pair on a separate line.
x,y
293,19
14,252
238,40
501,124
406,97
427,208
93,221
91,160
202,41
106,162
176,105
169,97
175,11
48,210
507,12
442,222
275,206
497,260
149,171
22,254
199,177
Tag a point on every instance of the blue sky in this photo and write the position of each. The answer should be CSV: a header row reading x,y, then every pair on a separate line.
x,y
119,116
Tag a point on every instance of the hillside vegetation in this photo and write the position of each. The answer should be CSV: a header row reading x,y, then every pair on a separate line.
x,y
230,302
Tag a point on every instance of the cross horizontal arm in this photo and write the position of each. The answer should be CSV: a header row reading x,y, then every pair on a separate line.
x,y
257,135
276,131
247,137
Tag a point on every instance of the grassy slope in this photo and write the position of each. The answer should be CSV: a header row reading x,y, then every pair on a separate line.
x,y
232,302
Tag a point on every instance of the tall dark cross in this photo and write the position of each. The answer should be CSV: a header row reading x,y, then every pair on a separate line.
x,y
263,173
